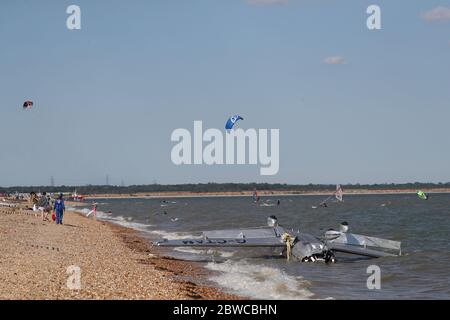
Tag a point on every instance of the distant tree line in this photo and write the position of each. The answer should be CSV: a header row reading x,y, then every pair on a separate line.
x,y
218,187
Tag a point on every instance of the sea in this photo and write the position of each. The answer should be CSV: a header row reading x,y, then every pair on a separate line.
x,y
423,227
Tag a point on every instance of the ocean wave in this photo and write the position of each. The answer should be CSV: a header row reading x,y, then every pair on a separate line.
x,y
120,220
127,223
259,281
213,252
173,235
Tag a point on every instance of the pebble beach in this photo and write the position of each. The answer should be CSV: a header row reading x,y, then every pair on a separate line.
x,y
38,259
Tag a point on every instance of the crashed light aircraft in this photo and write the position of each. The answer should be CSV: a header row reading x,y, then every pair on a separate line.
x,y
298,246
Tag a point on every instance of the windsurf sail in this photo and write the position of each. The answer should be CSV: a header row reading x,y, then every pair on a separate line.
x,y
255,196
422,195
339,193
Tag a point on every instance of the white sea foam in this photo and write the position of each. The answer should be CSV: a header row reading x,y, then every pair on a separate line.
x,y
120,220
259,281
173,235
267,205
213,252
126,223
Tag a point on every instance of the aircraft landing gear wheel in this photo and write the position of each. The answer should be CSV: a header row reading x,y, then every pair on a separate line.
x,y
329,257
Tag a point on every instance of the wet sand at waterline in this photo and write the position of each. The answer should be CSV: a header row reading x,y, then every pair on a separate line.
x,y
115,263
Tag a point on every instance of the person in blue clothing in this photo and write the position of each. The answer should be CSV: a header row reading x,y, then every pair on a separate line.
x,y
59,208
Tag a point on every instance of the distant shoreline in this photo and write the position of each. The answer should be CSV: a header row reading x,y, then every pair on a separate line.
x,y
265,193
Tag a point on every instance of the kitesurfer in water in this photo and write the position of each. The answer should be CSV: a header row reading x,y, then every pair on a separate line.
x,y
422,195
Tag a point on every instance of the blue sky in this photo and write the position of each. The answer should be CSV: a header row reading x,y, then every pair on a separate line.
x,y
107,97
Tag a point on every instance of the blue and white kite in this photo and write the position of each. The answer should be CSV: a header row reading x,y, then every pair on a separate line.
x,y
230,123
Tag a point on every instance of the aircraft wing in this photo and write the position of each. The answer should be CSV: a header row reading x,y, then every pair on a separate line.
x,y
251,237
358,250
257,233
223,242
362,245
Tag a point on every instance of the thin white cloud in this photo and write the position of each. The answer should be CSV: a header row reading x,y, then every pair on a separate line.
x,y
334,60
266,2
437,14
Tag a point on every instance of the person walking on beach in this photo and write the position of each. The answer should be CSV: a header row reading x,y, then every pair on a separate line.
x,y
34,201
33,198
59,208
44,206
93,211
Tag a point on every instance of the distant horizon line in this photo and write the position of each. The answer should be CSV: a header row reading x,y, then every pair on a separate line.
x,y
230,183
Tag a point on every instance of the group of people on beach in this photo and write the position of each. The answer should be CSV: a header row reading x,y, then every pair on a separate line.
x,y
45,204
